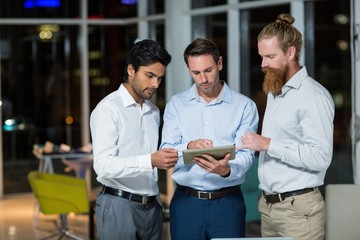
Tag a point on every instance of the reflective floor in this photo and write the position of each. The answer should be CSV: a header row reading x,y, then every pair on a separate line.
x,y
21,220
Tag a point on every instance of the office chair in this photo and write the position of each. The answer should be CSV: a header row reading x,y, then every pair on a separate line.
x,y
342,211
60,194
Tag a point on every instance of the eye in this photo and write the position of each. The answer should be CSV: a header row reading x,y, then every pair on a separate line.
x,y
150,75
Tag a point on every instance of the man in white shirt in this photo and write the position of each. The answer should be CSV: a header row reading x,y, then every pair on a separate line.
x,y
297,138
125,132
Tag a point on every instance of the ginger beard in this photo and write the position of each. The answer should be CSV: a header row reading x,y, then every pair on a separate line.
x,y
274,80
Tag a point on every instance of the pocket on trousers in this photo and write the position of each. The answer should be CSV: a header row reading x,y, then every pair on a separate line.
x,y
306,204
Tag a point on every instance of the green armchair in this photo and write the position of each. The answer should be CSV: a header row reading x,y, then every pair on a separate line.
x,y
60,194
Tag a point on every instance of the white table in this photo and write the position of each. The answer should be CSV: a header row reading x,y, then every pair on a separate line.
x,y
46,164
80,162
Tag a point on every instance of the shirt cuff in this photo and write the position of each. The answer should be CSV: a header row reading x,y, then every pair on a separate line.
x,y
275,149
145,162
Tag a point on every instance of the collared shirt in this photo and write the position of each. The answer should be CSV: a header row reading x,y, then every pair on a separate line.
x,y
124,134
299,123
224,120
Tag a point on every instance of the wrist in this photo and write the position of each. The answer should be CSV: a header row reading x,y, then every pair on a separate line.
x,y
228,173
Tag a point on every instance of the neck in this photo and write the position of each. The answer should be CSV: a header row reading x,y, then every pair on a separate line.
x,y
135,96
208,97
292,71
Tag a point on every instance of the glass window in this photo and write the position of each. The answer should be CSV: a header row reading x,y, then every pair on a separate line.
x,y
333,70
108,50
206,3
40,88
39,9
156,6
99,9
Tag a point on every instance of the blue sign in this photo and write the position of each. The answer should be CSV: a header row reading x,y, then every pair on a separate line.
x,y
41,3
129,2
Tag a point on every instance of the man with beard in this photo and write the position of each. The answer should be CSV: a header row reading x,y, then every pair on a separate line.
x,y
297,138
125,131
208,202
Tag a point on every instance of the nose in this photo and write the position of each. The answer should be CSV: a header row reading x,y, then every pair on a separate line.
x,y
156,82
264,63
203,77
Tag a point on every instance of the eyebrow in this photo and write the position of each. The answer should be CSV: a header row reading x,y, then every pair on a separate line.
x,y
153,74
206,69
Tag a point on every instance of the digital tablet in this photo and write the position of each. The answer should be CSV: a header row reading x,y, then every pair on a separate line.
x,y
216,152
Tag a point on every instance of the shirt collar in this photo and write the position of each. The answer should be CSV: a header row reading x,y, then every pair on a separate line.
x,y
224,95
128,100
295,81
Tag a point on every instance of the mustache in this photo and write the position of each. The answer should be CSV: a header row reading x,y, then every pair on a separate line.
x,y
267,69
152,89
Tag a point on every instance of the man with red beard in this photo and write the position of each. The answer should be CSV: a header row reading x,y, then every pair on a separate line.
x,y
297,138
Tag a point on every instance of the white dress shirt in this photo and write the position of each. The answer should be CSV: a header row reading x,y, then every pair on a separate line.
x,y
124,134
300,124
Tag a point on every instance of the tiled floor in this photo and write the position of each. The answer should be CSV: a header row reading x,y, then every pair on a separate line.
x,y
20,220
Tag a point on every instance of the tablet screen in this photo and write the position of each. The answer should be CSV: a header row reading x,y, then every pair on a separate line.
x,y
216,152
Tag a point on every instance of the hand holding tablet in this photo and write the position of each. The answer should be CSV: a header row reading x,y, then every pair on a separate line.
x,y
215,152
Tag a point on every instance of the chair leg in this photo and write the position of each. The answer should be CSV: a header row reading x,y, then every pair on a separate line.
x,y
36,217
64,229
50,236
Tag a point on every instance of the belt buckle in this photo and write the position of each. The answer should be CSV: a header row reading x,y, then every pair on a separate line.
x,y
268,198
144,200
203,198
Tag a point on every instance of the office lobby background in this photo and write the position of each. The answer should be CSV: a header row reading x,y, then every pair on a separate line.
x,y
60,57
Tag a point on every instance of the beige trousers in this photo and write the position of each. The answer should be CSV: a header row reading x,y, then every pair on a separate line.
x,y
301,217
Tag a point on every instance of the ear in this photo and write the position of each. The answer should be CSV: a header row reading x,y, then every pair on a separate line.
x,y
291,53
220,63
130,70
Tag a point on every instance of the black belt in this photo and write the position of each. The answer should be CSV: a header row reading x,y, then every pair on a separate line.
x,y
130,196
208,195
275,198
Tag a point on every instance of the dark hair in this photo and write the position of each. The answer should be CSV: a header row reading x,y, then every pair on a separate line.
x,y
285,32
201,46
144,53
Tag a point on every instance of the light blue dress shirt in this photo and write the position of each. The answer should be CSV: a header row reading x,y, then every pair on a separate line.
x,y
124,134
300,125
224,120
